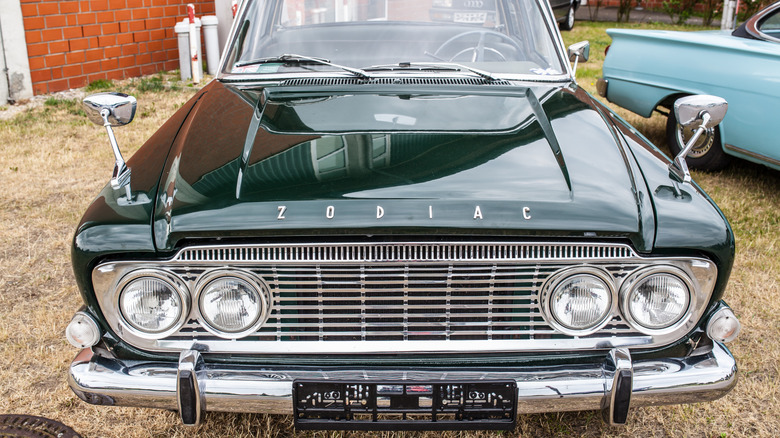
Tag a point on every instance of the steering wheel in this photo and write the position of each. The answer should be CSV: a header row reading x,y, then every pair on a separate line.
x,y
478,51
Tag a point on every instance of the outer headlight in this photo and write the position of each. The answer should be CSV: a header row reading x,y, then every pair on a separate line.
x,y
232,303
153,303
655,300
579,301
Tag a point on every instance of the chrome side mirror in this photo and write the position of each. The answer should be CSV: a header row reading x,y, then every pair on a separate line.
x,y
119,108
700,113
578,51
113,109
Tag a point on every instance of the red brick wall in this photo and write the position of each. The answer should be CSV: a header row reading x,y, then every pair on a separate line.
x,y
72,43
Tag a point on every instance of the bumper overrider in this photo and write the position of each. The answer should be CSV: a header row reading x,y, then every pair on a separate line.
x,y
193,386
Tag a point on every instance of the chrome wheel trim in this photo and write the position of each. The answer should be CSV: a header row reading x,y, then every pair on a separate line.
x,y
702,146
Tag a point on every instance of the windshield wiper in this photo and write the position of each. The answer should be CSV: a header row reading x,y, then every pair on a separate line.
x,y
431,66
302,59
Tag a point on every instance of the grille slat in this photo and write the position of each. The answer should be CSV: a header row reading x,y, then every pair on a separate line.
x,y
391,307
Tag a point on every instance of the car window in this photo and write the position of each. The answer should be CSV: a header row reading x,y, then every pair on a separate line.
x,y
499,36
771,25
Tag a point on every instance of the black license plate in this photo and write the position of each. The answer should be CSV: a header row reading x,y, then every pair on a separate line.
x,y
405,405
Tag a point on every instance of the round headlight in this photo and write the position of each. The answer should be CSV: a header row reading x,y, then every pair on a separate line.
x,y
580,301
232,304
657,301
152,304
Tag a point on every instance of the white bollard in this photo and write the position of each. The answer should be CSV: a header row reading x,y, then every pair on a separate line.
x,y
182,30
197,64
210,23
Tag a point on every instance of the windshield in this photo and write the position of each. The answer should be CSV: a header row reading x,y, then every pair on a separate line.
x,y
504,37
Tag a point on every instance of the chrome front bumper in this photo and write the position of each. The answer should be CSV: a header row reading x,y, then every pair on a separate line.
x,y
99,378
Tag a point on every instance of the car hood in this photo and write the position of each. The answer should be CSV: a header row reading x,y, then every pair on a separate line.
x,y
496,160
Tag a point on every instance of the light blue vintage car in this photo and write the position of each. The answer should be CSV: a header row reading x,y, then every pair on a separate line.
x,y
646,71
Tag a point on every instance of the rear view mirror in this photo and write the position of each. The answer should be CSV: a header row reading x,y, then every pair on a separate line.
x,y
690,110
118,108
113,109
700,113
580,51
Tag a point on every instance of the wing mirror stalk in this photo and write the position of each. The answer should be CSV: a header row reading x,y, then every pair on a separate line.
x,y
701,113
576,52
109,110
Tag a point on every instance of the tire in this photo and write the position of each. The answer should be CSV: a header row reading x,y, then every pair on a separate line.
x,y
568,22
707,154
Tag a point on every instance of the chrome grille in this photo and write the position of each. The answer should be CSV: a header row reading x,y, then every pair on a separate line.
x,y
404,302
404,291
361,298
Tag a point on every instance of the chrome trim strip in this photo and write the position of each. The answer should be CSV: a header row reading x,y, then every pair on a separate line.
x,y
731,147
101,379
403,252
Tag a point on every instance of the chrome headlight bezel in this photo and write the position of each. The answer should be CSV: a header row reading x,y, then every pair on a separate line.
x,y
257,283
178,286
630,283
557,279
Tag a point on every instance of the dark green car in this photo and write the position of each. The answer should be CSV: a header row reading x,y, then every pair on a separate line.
x,y
373,220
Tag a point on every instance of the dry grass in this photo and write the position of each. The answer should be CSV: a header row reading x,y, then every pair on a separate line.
x,y
54,162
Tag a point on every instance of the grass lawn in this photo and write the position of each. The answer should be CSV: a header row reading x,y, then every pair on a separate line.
x,y
54,162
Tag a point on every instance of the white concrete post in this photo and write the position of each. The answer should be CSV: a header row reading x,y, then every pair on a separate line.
x,y
182,30
223,9
210,23
15,82
194,45
729,15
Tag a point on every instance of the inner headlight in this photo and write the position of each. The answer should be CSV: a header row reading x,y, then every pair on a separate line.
x,y
152,303
657,300
232,303
580,302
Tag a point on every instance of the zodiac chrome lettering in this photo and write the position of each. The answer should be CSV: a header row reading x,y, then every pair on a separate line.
x,y
330,212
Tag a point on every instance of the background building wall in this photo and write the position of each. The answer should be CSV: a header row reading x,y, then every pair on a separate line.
x,y
73,43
